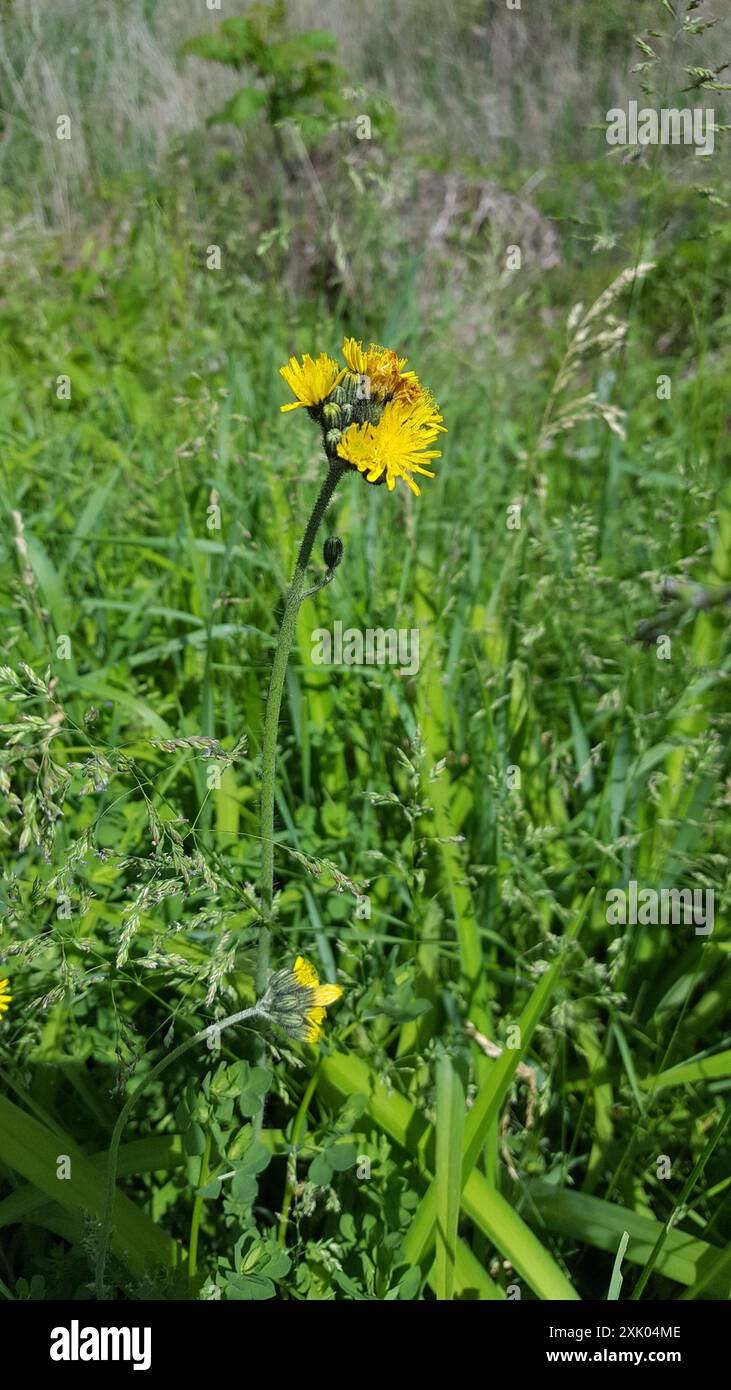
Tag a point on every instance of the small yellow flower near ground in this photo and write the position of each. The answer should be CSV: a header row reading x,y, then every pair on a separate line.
x,y
311,381
375,416
4,996
297,1001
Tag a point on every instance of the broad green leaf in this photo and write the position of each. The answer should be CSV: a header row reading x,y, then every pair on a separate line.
x,y
320,1171
249,1287
341,1157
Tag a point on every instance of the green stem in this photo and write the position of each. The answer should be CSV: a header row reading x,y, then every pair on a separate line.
x,y
198,1209
271,719
212,1030
291,1173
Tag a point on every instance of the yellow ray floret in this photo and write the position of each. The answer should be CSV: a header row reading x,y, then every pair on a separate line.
x,y
311,381
305,973
315,1020
384,370
4,996
315,999
395,447
308,976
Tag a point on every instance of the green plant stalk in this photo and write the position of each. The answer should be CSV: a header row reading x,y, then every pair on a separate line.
x,y
290,1177
211,1030
448,1172
271,719
198,1209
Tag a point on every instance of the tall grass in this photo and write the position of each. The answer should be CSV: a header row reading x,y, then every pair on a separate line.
x,y
402,1159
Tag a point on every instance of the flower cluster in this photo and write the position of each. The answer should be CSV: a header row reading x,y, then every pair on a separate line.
x,y
375,416
296,1000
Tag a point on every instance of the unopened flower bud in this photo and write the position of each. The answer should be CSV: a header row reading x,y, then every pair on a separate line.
x,y
332,552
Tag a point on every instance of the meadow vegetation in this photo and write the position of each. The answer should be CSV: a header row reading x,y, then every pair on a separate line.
x,y
445,839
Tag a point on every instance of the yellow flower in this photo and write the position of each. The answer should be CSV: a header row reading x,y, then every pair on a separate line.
x,y
322,995
297,1001
4,996
311,381
384,371
395,447
375,415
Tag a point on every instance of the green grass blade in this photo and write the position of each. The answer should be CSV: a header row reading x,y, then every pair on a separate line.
x,y
449,1138
33,1151
342,1076
487,1105
515,1240
679,1205
471,1281
574,1215
615,1283
685,1073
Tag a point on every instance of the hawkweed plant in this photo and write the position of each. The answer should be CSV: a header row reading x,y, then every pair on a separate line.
x,y
379,421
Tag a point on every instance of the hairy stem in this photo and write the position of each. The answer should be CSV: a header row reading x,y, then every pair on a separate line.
x,y
198,1209
271,719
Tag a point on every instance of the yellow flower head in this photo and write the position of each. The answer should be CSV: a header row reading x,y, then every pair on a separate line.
x,y
375,416
4,996
297,1001
383,371
395,447
311,381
